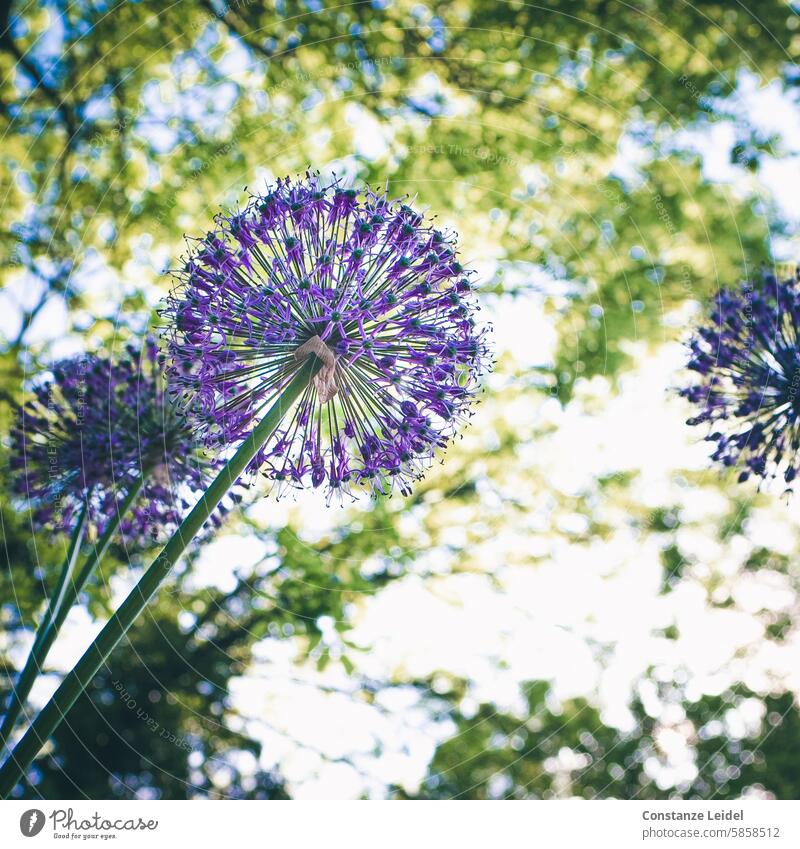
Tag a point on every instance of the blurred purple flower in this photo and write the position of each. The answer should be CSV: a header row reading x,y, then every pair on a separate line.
x,y
369,286
747,364
94,428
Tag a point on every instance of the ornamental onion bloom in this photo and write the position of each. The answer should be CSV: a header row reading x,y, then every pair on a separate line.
x,y
366,284
93,429
747,361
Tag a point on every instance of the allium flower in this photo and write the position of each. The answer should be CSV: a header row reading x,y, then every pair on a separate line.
x,y
364,283
747,359
93,429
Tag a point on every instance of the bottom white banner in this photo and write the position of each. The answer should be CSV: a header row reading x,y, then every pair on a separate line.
x,y
350,825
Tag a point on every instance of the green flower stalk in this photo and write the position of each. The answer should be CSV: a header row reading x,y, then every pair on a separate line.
x,y
21,689
66,593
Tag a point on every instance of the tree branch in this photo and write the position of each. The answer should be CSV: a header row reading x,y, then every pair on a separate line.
x,y
35,74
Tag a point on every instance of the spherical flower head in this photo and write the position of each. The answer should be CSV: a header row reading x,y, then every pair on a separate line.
x,y
746,361
366,284
90,431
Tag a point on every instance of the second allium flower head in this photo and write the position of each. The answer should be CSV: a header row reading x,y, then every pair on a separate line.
x,y
95,428
366,284
746,359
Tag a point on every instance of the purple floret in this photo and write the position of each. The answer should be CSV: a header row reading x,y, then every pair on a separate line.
x,y
94,428
371,279
746,361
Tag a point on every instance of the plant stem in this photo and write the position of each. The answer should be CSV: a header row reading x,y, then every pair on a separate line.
x,y
67,592
117,626
33,664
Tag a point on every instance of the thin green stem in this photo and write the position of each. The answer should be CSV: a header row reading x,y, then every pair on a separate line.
x,y
68,592
33,664
117,626
73,552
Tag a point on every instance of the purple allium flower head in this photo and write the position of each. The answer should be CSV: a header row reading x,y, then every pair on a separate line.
x,y
91,430
369,286
747,364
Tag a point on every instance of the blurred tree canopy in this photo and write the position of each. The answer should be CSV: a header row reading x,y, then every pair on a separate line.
x,y
558,138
